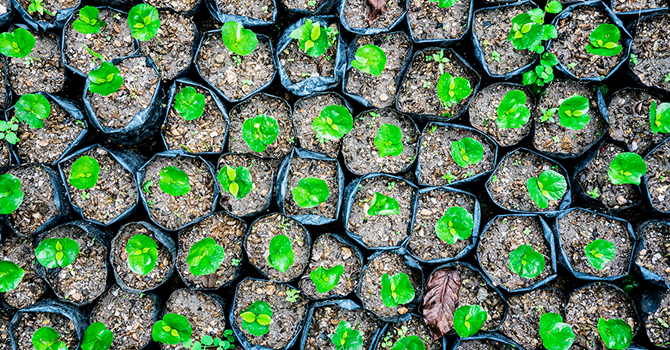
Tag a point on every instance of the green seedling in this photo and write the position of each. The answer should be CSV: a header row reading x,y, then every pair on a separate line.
x,y
445,3
292,295
593,193
659,118
512,110
627,168
313,39
605,40
32,109
38,6
549,186
555,334
310,192
326,279
256,318
205,257
57,252
238,39
105,80
467,151
542,74
599,253
142,254
10,276
370,59
383,205
89,21
573,113
452,90
174,181
396,290
468,320
333,123
615,333
11,195
412,342
85,172
389,140
281,253
8,130
529,31
172,329
46,338
236,181
97,337
526,262
17,44
548,115
347,338
455,224
189,103
259,132
633,58
143,21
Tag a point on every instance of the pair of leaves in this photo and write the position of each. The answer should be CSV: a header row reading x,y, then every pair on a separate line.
x,y
347,338
46,338
236,181
17,44
452,89
512,110
257,318
312,38
549,186
172,329
85,172
383,205
627,168
659,118
143,21
555,334
605,40
89,21
467,151
396,290
105,80
615,333
468,320
599,253
174,181
32,109
189,103
10,276
97,337
11,195
370,59
237,39
542,74
388,140
326,280
281,253
333,122
573,113
205,257
57,252
455,224
529,31
259,132
142,254
310,192
526,262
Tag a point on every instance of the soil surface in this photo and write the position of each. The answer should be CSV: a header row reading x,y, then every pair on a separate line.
x,y
262,177
522,323
204,313
356,14
654,256
177,5
45,71
300,66
656,322
635,5
657,177
29,322
305,111
5,6
653,64
5,343
310,6
3,78
256,9
172,47
482,344
5,155
21,251
326,319
302,168
51,6
430,22
39,203
415,326
629,119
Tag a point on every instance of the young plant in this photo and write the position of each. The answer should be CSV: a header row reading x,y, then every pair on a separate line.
x,y
389,140
85,172
605,40
333,123
236,181
189,103
142,254
11,195
326,279
256,318
237,39
281,253
659,118
627,168
452,90
573,113
8,130
549,186
599,253
370,59
512,110
205,257
455,224
97,337
396,290
542,74
17,44
347,338
143,21
10,276
89,21
555,334
412,342
57,252
529,31
310,192
32,109
467,151
46,338
615,333
468,320
445,3
105,80
383,205
526,262
174,181
313,39
172,329
38,6
259,132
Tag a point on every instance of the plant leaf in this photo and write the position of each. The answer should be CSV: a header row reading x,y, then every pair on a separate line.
x,y
440,300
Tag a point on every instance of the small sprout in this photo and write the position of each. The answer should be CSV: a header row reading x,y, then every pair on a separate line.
x,y
659,118
8,130
594,193
389,140
526,262
512,110
17,44
314,39
189,103
627,168
97,337
143,21
370,59
467,151
445,3
542,74
633,58
292,295
396,290
347,338
599,253
605,40
333,122
46,338
57,252
172,329
667,78
89,21
38,6
236,181
555,334
174,181
259,132
326,279
238,39
10,276
573,112
615,333
529,31
147,185
468,320
452,90
412,342
85,172
205,257
142,254
105,80
549,186
11,195
281,253
455,224
548,115
310,192
495,56
383,205
235,262
256,318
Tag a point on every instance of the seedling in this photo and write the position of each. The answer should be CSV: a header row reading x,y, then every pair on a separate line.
x,y
143,21
529,31
445,3
326,279
599,253
467,151
412,342
205,257
57,252
452,90
11,275
455,224
605,40
549,186
615,333
593,193
89,21
627,168
32,109
468,320
495,56
259,132
281,253
8,130
383,205
396,290
236,181
172,329
238,39
439,59
347,338
370,59
542,74
256,318
97,337
292,295
512,110
105,80
142,254
174,181
85,172
310,192
548,115
17,44
11,195
389,140
659,118
313,39
526,262
573,112
46,338
555,334
333,123
189,103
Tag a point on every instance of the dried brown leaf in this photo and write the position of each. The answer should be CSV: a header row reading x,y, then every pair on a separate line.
x,y
441,300
376,7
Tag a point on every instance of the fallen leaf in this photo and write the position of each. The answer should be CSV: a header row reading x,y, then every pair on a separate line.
x,y
440,301
376,7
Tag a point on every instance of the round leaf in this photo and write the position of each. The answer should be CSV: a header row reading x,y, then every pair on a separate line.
x,y
84,173
627,168
57,252
18,43
259,132
383,205
205,257
142,254
32,109
281,253
236,181
237,39
310,192
412,342
370,59
468,320
599,253
526,262
616,333
189,103
144,22
396,290
11,195
389,140
326,280
259,309
10,276
347,338
105,80
467,151
333,122
46,338
455,224
512,110
174,181
573,112
452,89
555,334
97,337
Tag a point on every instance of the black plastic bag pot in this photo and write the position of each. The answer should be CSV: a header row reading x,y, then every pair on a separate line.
x,y
446,42
493,337
246,22
655,85
56,24
322,7
365,31
645,179
7,17
630,14
647,274
271,190
50,306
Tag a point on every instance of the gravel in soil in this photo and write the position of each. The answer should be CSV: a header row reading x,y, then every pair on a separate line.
x,y
655,255
177,5
629,119
5,6
132,329
379,91
3,78
5,155
658,177
522,323
475,290
431,206
300,66
228,232
172,47
257,245
5,343
328,252
326,319
305,111
140,81
650,51
262,177
21,251
44,72
173,212
113,194
418,93
356,13
52,6
307,5
636,5
381,230
361,155
204,313
29,322
415,326
657,321
286,315
483,112
302,168
482,344
39,204
431,22
256,9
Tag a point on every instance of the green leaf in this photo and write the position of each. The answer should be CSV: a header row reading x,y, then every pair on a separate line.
x,y
144,22
97,337
605,40
11,275
445,3
84,173
310,192
236,181
512,110
173,329
549,186
326,279
237,39
18,43
189,103
527,30
554,6
205,257
46,338
467,151
389,140
259,132
207,340
615,333
529,78
281,253
396,290
659,118
383,205
57,252
11,195
105,80
333,122
468,320
142,254
32,109
573,112
174,181
88,22
455,224
347,338
259,310
555,334
599,253
311,38
627,168
370,59
526,262
412,342
452,89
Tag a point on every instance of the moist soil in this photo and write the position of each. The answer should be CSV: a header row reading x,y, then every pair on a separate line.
x,y
326,319
177,5
592,302
204,313
418,93
305,111
113,41
430,22
29,322
573,36
650,50
21,251
381,230
256,9
491,28
173,212
507,185
52,6
658,334
379,91
119,256
113,194
356,14
482,344
172,47
132,328
302,168
300,66
361,156
45,73
658,169
262,177
522,323
39,204
228,232
370,286
636,5
272,107
424,243
220,67
414,326
5,343
483,113
140,81
257,245
594,177
629,119
205,134
286,315
328,252
655,255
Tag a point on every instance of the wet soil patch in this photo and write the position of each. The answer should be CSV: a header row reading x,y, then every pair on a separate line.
x,y
655,255
629,119
29,322
21,251
172,47
39,204
657,331
653,62
431,22
356,14
256,9
415,326
304,113
658,177
522,323
326,319
44,73
203,312
262,177
301,168
300,66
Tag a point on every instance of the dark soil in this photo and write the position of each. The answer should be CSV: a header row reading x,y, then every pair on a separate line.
x,y
415,326
3,79
326,319
228,232
51,6
654,255
5,343
38,204
45,73
177,5
635,5
379,91
306,5
203,312
356,14
300,66
656,323
305,111
653,62
629,119
256,9
657,177
172,47
262,177
522,323
5,155
29,322
430,22
361,155
302,168
482,344
21,251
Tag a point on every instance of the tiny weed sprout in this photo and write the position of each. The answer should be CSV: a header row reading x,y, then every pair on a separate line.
x,y
452,90
445,3
389,140
259,132
526,262
281,253
555,334
57,252
383,205
326,279
207,342
85,172
174,181
396,290
88,21
236,181
172,329
627,168
659,118
8,130
256,318
413,342
143,21
142,254
11,275
467,151
32,109
105,80
370,59
573,112
605,41
11,195
310,192
347,338
333,123
599,253
529,31
237,39
455,224
38,6
189,103
314,39
615,333
46,338
17,44
205,257
97,337
548,115
512,110
542,74
549,186
468,320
